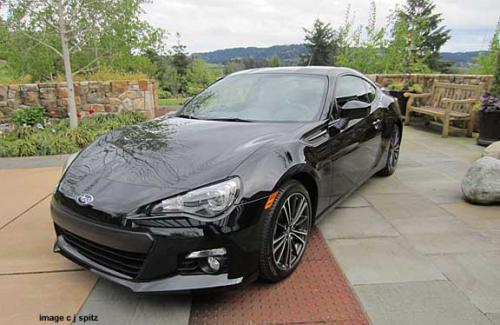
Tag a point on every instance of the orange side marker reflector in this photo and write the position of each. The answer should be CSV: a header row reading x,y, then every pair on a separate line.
x,y
270,200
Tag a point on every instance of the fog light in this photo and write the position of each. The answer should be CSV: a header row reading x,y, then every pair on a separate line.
x,y
212,265
207,253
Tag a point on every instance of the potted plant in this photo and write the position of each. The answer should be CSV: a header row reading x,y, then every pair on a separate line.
x,y
489,113
397,89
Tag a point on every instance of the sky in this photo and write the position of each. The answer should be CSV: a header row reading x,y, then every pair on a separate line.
x,y
206,25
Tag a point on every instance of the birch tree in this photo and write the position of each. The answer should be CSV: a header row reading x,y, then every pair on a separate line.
x,y
88,32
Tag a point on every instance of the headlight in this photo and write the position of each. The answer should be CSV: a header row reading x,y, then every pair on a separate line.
x,y
205,202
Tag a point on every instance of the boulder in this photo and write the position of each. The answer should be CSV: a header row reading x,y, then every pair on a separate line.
x,y
493,150
482,182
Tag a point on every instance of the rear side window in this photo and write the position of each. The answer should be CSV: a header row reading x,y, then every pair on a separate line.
x,y
371,92
353,88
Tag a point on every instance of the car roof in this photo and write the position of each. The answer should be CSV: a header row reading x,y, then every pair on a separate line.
x,y
311,70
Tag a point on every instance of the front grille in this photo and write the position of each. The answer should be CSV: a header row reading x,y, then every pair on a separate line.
x,y
127,263
85,212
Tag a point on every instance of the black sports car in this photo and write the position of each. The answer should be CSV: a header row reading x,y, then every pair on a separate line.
x,y
227,189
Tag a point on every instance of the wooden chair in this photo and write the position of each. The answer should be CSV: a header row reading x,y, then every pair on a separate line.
x,y
446,102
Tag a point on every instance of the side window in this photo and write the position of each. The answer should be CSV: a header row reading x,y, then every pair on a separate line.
x,y
350,88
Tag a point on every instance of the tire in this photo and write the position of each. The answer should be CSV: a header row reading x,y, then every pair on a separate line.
x,y
280,236
393,156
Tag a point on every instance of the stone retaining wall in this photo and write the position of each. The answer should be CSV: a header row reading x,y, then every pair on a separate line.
x,y
426,80
96,96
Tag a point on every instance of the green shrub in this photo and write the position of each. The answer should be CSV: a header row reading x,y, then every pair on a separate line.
x,y
28,116
396,86
417,88
59,138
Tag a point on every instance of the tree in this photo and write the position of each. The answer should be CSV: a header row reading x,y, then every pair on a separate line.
x,y
233,66
495,85
426,34
180,60
361,48
321,41
486,63
275,61
199,76
81,33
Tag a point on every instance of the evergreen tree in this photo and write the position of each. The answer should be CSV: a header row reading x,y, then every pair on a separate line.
x,y
321,41
486,63
426,34
180,60
495,85
275,61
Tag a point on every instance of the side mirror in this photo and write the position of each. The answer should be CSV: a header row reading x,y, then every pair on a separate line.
x,y
355,109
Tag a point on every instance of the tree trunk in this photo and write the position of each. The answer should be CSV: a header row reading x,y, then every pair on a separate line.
x,y
73,118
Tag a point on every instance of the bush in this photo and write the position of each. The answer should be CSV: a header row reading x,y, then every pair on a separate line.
x,y
28,116
105,74
59,138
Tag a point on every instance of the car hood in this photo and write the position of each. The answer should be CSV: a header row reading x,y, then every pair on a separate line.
x,y
143,163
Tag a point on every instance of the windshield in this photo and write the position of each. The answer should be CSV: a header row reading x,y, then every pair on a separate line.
x,y
260,97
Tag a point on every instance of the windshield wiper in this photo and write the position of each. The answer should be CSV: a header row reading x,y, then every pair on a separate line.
x,y
229,119
187,116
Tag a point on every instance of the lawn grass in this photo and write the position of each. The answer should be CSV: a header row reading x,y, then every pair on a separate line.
x,y
172,101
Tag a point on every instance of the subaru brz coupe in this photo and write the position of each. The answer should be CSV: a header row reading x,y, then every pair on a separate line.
x,y
226,190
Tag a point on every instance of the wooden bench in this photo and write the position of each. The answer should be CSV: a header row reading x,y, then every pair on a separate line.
x,y
446,102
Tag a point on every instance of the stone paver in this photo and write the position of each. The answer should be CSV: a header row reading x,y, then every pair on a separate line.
x,y
24,297
494,318
407,205
382,260
442,264
434,302
477,216
356,200
432,225
477,275
438,190
23,188
380,185
27,244
345,223
117,305
445,243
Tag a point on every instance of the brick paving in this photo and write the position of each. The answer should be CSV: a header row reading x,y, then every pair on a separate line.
x,y
317,292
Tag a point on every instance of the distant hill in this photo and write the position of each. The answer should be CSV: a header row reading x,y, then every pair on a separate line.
x,y
287,53
292,54
460,58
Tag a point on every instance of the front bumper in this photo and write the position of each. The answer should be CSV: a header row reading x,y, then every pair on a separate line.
x,y
148,259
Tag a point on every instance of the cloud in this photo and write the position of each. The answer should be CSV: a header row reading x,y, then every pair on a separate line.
x,y
215,24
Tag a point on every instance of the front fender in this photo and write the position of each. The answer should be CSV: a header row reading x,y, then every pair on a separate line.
x,y
265,170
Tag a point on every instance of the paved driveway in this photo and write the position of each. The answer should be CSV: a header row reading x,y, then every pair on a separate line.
x,y
412,251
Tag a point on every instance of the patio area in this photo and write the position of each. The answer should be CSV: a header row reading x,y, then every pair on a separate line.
x,y
402,250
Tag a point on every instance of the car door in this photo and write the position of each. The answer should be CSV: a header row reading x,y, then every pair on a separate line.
x,y
355,144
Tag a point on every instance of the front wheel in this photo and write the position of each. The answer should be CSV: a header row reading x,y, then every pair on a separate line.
x,y
393,156
285,232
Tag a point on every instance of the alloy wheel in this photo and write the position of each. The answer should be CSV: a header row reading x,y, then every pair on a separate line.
x,y
394,148
291,231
